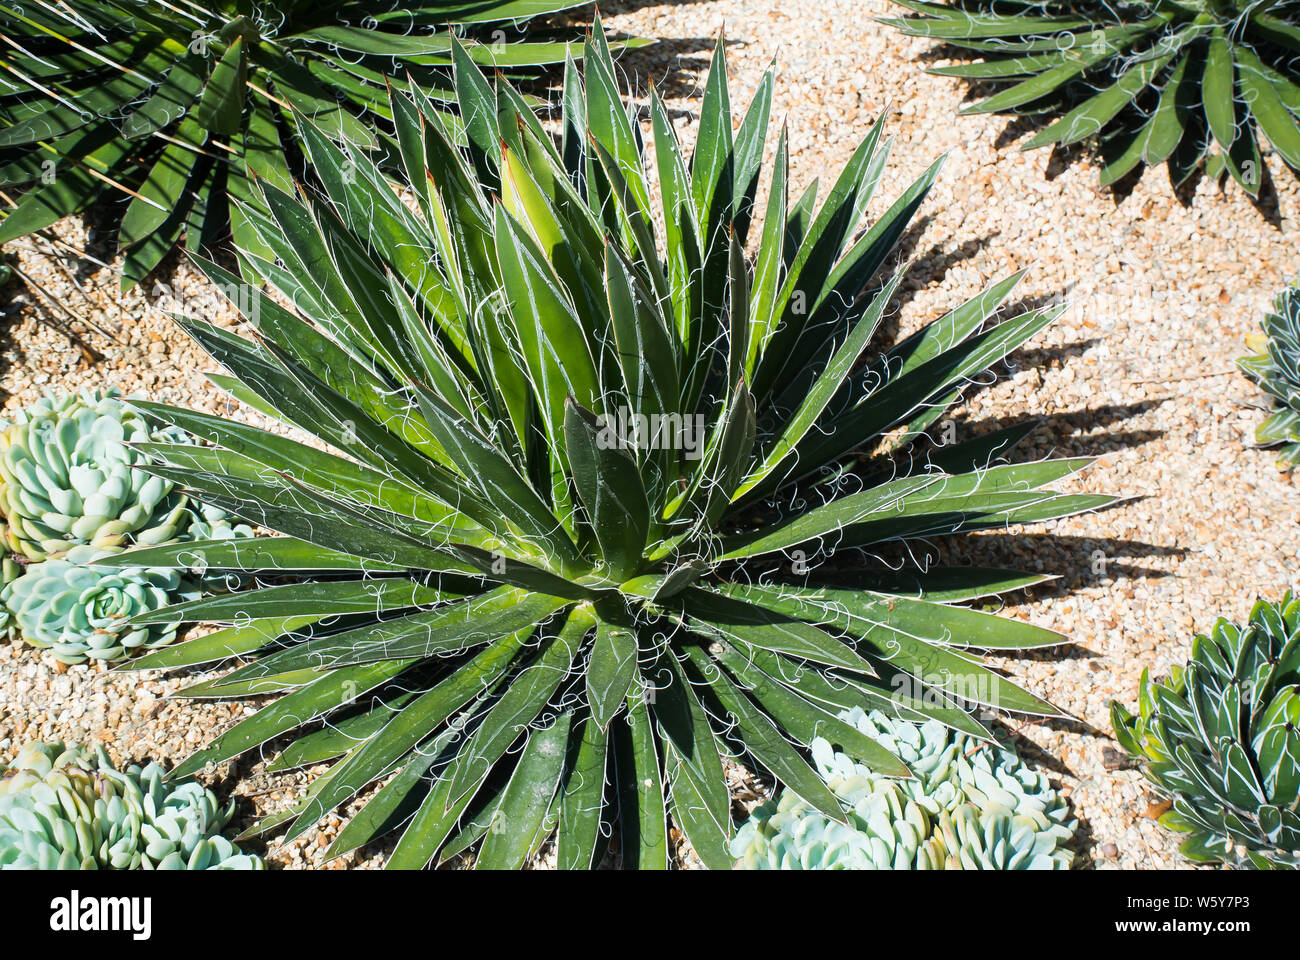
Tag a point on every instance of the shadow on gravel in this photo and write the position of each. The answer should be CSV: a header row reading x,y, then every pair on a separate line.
x,y
1070,430
675,66
687,57
1077,562
1054,357
928,267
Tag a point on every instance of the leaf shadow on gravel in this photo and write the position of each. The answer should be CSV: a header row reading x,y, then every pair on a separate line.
x,y
676,66
922,271
1071,433
926,268
1075,561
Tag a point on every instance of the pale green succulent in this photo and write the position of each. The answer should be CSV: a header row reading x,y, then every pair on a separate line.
x,y
80,611
65,808
973,805
68,476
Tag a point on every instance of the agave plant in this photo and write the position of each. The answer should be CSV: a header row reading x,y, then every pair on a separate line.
x,y
66,808
566,467
69,477
179,106
79,611
1155,81
972,806
1276,368
1221,738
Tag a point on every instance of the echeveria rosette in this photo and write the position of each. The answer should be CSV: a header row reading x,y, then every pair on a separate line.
x,y
1276,368
67,808
69,475
504,565
179,109
1155,82
79,610
972,806
1221,738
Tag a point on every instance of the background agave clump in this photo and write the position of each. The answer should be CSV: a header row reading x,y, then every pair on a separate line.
x,y
538,579
1154,81
66,808
178,106
1276,368
69,476
79,611
972,806
1221,739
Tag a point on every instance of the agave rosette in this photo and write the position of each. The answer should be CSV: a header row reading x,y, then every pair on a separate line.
x,y
505,594
1276,368
177,107
1156,82
1220,737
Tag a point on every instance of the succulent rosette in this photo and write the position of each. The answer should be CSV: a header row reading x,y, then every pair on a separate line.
x,y
973,805
69,476
67,808
1221,739
1275,367
80,611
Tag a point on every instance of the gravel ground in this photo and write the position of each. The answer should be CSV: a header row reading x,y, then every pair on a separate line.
x,y
1164,289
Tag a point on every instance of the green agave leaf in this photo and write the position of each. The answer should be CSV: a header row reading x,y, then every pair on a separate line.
x,y
804,720
293,710
1267,106
762,738
221,104
263,553
610,671
429,828
914,636
610,488
161,193
340,734
683,722
1218,88
390,805
643,814
583,800
408,727
328,599
739,621
220,644
527,799
520,705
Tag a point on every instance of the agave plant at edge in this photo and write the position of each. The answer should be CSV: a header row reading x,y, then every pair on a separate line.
x,y
1155,81
177,108
508,589
1275,367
